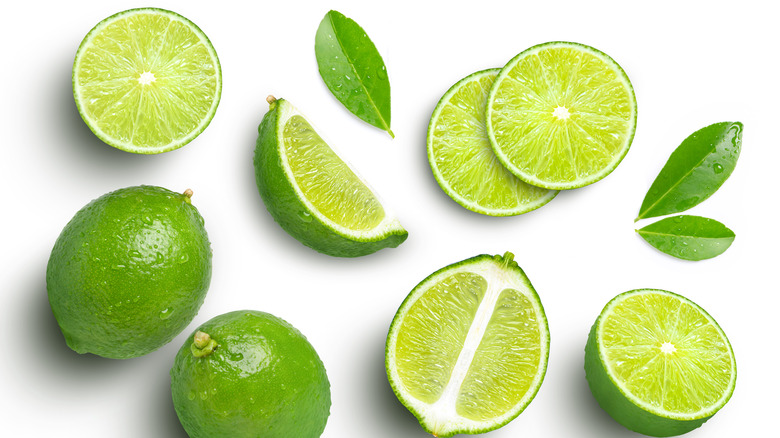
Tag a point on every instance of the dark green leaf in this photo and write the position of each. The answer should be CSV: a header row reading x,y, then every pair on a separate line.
x,y
695,170
688,237
353,70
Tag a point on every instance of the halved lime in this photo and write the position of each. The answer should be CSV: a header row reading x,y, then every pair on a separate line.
x,y
561,115
462,160
658,363
313,194
146,80
467,350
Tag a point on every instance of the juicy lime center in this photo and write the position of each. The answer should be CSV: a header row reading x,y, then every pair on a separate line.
x,y
146,78
326,181
667,353
118,66
488,347
557,80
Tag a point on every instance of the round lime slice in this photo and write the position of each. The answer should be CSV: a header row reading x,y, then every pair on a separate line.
x,y
146,81
658,363
467,350
313,194
561,115
462,160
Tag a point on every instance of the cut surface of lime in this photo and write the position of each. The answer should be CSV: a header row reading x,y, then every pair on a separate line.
x,y
146,80
467,350
561,115
658,363
462,160
313,194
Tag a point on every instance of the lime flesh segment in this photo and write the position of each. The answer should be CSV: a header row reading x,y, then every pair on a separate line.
x,y
658,363
561,115
326,181
313,194
462,160
146,80
467,350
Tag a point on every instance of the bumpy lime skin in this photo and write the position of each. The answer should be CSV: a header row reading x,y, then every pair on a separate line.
x,y
263,379
282,201
620,407
129,272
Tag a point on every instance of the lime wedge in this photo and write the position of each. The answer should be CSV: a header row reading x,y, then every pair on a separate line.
x,y
467,350
146,81
658,363
561,115
313,194
462,160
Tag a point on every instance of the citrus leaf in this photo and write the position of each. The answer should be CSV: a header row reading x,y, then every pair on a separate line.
x,y
688,237
695,170
353,69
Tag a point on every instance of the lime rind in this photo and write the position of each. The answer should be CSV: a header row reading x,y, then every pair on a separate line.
x,y
295,213
625,407
538,197
562,185
124,145
440,418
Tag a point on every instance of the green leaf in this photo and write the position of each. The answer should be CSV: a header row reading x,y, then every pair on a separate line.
x,y
688,237
353,70
695,170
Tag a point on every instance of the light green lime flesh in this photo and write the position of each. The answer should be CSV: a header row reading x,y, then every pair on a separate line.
x,y
146,80
505,363
668,355
326,181
562,115
463,161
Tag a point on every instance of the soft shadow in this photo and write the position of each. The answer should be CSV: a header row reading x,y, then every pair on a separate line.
x,y
47,346
76,146
160,408
588,414
390,414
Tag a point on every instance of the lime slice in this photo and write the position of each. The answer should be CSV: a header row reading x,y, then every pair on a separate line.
x,y
313,194
561,115
146,81
464,163
467,350
658,363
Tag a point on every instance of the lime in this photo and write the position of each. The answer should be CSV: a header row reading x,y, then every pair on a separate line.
x,y
146,80
464,163
658,363
313,194
248,374
467,350
129,272
561,115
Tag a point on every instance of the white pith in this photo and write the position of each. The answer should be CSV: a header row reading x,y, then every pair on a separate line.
x,y
130,147
389,223
441,417
670,349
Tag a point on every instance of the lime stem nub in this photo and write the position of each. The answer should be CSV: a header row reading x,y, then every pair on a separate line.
x,y
270,99
202,344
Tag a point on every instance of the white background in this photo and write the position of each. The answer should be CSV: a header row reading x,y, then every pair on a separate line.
x,y
691,64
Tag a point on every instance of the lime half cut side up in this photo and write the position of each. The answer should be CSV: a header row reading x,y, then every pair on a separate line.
x,y
467,350
658,363
146,80
313,194
462,160
561,115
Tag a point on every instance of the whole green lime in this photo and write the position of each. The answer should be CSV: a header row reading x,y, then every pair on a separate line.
x,y
250,374
129,272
